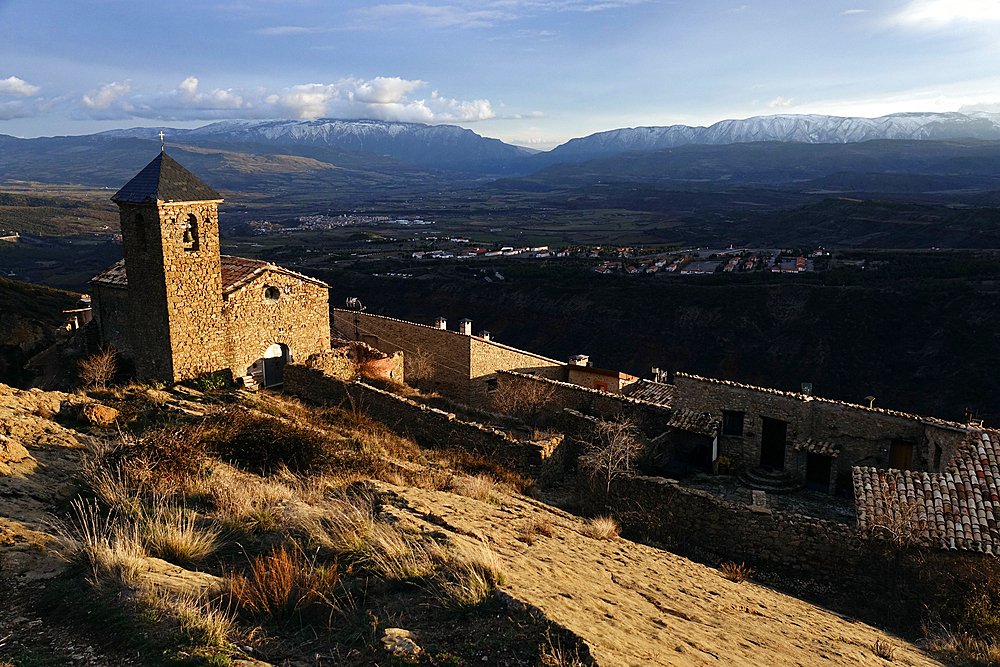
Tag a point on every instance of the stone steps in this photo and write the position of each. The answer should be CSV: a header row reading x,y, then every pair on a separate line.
x,y
771,481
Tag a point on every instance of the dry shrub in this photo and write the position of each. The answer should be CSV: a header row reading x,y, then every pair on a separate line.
x,y
470,577
883,649
733,572
283,585
174,454
602,528
108,546
473,463
263,443
532,527
98,369
173,534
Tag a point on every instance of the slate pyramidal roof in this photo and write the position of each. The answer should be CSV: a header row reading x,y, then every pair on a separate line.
x,y
164,180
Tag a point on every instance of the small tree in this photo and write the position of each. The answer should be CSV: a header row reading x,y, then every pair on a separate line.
x,y
613,451
99,369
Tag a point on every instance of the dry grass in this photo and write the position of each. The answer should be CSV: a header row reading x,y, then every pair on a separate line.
x,y
533,527
396,556
108,546
470,577
479,487
883,649
201,622
173,533
283,584
602,528
733,572
554,655
964,649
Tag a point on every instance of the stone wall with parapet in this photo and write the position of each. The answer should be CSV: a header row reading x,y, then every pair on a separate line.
x,y
427,426
661,510
651,418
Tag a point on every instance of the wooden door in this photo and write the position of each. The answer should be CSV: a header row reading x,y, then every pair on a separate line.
x,y
772,444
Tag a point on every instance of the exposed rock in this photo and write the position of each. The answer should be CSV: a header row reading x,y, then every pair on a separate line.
x,y
401,642
99,414
11,451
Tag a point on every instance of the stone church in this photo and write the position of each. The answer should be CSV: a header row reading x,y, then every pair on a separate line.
x,y
179,309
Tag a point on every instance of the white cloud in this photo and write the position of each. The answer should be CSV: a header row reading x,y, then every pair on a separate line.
x,y
854,11
285,30
941,13
987,107
472,14
780,102
12,110
14,87
381,98
105,96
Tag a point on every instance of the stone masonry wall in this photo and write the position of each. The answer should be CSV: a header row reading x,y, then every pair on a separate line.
x,y
863,434
651,418
111,316
300,320
427,426
193,276
660,510
462,365
446,351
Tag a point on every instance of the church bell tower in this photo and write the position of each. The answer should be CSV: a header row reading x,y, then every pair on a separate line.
x,y
170,236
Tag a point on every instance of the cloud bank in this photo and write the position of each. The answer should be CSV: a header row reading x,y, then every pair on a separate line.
x,y
942,13
381,98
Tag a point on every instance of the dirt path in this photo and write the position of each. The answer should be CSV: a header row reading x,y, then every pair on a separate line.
x,y
636,605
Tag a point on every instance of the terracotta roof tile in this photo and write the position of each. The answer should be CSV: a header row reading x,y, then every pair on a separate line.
x,y
694,421
654,392
954,509
818,447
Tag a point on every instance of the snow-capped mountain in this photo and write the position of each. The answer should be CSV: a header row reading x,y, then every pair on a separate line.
x,y
441,146
814,129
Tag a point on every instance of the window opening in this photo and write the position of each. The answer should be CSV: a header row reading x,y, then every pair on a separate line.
x,y
732,422
191,233
272,294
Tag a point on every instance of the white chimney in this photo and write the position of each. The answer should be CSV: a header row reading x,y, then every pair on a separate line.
x,y
441,323
465,326
579,360
484,334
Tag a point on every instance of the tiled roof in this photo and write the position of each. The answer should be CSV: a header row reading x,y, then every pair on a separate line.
x,y
817,447
165,180
694,422
654,392
236,272
955,509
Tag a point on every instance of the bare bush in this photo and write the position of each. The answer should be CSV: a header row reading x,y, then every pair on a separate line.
x,y
522,398
612,453
97,370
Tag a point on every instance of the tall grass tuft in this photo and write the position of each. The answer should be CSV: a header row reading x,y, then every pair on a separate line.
x,y
173,534
109,546
283,584
471,576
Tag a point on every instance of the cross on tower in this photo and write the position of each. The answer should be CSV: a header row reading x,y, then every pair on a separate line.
x,y
161,141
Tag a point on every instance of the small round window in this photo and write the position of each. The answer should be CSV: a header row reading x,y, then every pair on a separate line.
x,y
272,294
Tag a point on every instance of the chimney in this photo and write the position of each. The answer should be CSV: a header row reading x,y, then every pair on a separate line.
x,y
465,326
484,334
441,323
579,360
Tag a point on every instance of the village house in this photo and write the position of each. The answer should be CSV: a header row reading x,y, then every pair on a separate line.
x,y
177,309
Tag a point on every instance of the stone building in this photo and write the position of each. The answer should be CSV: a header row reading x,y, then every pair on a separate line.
x,y
812,440
178,309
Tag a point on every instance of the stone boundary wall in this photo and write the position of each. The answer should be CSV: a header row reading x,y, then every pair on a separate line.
x,y
428,426
652,418
661,510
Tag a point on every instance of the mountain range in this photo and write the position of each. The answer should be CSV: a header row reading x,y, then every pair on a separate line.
x,y
455,148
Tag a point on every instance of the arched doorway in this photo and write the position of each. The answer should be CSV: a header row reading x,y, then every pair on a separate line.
x,y
275,358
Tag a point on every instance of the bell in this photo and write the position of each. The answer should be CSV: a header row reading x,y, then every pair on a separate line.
x,y
187,236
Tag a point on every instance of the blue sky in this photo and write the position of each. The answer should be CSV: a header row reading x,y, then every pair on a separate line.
x,y
530,72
